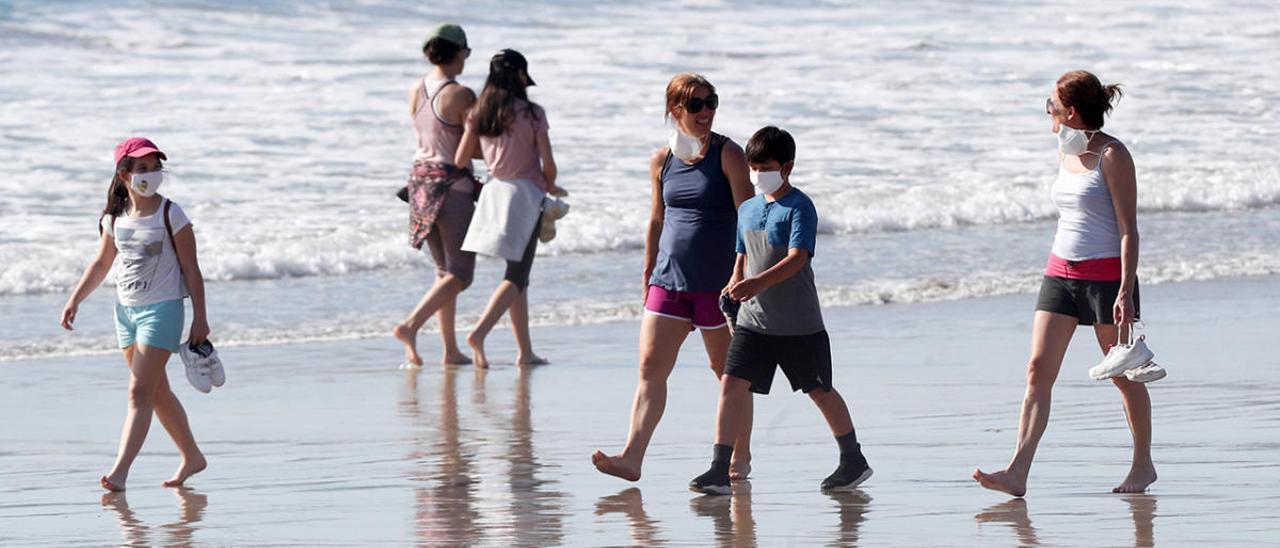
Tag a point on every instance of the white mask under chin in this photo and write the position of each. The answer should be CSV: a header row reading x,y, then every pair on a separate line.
x,y
766,182
685,147
1072,141
146,184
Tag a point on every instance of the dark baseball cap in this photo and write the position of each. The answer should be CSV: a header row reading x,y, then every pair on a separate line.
x,y
512,60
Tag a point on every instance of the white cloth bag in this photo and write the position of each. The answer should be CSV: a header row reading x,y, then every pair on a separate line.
x,y
505,218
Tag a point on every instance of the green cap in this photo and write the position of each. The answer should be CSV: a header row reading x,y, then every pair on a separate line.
x,y
449,32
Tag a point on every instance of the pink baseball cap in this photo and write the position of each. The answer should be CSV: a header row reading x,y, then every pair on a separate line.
x,y
137,147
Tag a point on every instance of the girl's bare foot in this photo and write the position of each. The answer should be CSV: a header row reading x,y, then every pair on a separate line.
x,y
455,358
187,469
1004,481
409,337
1138,480
115,486
531,359
615,466
476,342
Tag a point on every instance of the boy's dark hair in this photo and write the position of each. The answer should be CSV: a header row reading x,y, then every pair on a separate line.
x,y
771,143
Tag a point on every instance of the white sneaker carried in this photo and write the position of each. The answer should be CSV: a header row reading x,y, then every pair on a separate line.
x,y
553,209
204,369
1123,357
1150,372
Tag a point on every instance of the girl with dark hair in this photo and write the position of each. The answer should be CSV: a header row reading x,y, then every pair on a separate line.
x,y
440,190
157,250
1090,278
698,181
510,133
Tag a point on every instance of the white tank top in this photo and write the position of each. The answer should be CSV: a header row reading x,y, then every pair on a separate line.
x,y
1087,227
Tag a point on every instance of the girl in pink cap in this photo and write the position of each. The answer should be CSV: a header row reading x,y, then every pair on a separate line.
x,y
157,249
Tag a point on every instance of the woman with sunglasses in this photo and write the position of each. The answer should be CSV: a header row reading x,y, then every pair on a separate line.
x,y
1091,276
440,191
698,181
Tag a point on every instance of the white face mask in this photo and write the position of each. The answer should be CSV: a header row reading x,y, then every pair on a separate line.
x,y
685,147
766,182
1072,141
147,183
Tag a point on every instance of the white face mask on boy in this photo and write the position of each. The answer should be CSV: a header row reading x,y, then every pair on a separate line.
x,y
766,182
147,183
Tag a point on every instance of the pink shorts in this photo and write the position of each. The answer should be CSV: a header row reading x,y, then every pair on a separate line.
x,y
700,307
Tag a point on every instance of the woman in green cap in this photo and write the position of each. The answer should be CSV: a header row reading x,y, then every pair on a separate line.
x,y
440,191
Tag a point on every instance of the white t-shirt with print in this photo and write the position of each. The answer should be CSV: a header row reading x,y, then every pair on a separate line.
x,y
149,271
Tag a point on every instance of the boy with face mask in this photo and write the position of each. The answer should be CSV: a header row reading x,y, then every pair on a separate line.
x,y
779,323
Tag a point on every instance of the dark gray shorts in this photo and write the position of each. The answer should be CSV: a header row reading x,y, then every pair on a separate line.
x,y
445,239
1088,300
804,359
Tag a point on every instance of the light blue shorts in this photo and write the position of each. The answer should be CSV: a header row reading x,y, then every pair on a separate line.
x,y
158,325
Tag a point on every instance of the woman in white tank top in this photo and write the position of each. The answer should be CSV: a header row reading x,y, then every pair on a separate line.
x,y
1091,276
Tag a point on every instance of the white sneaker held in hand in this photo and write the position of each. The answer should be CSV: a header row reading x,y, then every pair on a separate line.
x,y
204,369
1123,357
1150,372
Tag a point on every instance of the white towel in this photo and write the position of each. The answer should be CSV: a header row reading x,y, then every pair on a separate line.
x,y
505,218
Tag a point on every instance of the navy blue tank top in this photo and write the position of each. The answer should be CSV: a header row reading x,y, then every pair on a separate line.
x,y
696,249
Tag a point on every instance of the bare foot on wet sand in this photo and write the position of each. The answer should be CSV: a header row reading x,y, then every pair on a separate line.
x,y
531,359
476,343
186,470
1003,481
739,467
407,336
455,358
615,466
1137,481
115,485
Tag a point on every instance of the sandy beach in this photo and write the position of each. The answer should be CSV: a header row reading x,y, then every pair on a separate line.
x,y
328,444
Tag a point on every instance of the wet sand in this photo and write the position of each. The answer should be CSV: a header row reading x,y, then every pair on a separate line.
x,y
327,444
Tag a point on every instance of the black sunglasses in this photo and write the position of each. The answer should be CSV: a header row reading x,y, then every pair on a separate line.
x,y
696,104
1048,106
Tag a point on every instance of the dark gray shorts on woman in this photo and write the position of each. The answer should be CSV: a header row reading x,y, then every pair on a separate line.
x,y
1089,301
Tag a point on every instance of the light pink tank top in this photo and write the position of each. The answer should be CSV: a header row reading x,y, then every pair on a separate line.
x,y
437,139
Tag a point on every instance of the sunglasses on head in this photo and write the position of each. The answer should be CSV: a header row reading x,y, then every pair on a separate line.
x,y
696,104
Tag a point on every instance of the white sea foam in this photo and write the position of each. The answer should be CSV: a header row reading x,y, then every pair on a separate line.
x,y
286,124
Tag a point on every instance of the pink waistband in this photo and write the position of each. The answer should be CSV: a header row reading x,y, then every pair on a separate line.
x,y
1096,270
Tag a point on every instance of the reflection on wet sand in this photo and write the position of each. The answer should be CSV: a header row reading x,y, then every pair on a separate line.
x,y
1143,509
630,502
444,509
1014,513
134,532
537,508
452,505
731,515
854,507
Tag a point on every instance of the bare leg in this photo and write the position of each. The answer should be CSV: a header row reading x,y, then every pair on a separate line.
x,y
502,299
147,368
1050,335
1137,408
735,394
442,293
446,317
834,410
717,344
520,328
660,340
174,419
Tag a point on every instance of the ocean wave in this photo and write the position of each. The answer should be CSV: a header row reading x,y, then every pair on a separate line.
x,y
587,312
